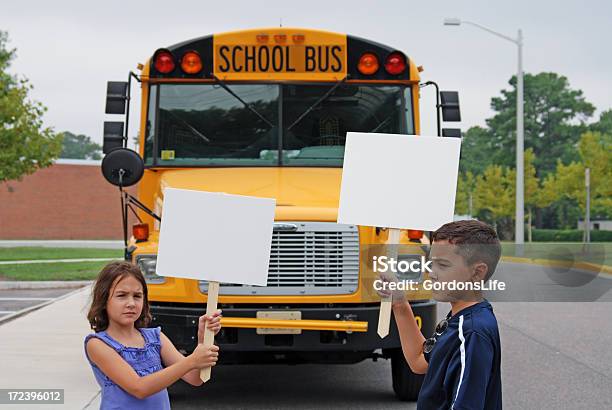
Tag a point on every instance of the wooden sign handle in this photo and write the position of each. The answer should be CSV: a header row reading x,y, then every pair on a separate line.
x,y
384,314
209,335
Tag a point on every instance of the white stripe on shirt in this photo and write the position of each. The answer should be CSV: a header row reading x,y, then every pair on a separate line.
x,y
462,350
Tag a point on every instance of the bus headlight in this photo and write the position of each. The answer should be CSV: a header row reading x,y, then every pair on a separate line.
x,y
147,264
409,275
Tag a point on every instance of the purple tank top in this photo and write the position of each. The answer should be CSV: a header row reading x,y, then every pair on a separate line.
x,y
144,360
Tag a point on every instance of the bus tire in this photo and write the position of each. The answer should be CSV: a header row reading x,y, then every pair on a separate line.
x,y
406,383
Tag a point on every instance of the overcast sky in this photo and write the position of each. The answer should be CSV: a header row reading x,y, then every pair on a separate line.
x,y
69,49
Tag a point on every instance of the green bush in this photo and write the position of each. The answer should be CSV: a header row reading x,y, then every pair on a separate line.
x,y
568,235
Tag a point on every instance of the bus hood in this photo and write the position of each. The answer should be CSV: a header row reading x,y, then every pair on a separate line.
x,y
301,193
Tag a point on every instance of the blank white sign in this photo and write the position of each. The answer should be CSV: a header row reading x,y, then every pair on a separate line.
x,y
399,181
215,237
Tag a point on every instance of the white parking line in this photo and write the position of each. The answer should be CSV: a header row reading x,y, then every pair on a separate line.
x,y
23,299
44,302
7,312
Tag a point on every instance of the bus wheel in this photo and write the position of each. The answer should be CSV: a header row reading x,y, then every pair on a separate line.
x,y
406,384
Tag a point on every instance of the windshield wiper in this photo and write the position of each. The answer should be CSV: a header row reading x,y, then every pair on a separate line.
x,y
319,101
246,104
382,123
189,126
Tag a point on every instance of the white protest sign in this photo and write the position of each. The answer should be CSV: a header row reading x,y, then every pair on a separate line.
x,y
215,237
400,182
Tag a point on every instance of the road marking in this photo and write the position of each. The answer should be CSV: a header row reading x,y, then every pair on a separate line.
x,y
7,312
57,261
574,265
19,313
601,273
23,299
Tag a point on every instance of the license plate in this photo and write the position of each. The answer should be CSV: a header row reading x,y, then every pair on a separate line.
x,y
279,315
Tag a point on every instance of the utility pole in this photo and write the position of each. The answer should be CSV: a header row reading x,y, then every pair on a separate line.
x,y
587,217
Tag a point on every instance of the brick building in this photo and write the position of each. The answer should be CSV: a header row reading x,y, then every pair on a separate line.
x,y
68,200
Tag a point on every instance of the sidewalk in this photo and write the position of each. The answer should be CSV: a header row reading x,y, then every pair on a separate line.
x,y
44,350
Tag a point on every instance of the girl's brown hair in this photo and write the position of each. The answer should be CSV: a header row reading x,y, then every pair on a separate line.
x,y
97,316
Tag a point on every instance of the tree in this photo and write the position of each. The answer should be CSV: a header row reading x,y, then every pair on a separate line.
x,y
549,192
25,145
604,125
465,194
555,116
494,198
595,150
476,151
79,147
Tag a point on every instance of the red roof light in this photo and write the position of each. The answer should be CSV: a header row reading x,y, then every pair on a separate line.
x,y
164,61
396,63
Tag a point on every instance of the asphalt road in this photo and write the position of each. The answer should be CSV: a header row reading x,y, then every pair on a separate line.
x,y
554,355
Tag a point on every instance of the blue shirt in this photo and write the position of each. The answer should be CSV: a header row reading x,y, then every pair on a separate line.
x,y
144,360
464,365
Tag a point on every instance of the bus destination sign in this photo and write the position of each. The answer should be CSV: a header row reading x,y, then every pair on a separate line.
x,y
247,58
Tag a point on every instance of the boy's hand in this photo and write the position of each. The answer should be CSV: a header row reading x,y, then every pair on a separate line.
x,y
213,323
398,297
204,356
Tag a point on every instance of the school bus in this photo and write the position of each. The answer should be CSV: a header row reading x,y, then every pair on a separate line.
x,y
265,113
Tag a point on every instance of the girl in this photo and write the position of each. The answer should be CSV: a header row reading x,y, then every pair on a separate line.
x,y
134,364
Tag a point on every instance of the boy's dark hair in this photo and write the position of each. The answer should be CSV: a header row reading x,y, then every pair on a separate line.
x,y
476,242
97,316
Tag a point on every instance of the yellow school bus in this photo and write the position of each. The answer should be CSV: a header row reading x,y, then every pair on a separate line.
x,y
265,113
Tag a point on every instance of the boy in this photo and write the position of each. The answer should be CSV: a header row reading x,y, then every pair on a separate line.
x,y
462,359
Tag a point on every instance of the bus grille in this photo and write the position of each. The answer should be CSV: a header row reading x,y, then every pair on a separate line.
x,y
307,258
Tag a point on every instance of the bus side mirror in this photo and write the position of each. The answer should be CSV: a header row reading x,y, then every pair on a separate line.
x,y
116,97
113,136
122,167
450,106
451,132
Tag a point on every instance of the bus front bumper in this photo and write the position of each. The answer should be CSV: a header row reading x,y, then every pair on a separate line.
x,y
330,333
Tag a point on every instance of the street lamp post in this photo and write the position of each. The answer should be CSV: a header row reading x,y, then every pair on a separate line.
x,y
519,228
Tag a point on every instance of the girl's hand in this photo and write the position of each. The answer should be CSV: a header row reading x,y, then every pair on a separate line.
x,y
214,324
204,356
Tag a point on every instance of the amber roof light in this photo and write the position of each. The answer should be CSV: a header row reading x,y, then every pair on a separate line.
x,y
368,64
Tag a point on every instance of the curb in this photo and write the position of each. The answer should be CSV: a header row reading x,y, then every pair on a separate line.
x,y
53,284
94,403
27,310
591,267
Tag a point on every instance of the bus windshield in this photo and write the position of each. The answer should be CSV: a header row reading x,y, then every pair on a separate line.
x,y
250,124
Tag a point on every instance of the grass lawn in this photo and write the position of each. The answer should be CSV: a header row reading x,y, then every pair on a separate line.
x,y
51,271
35,253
